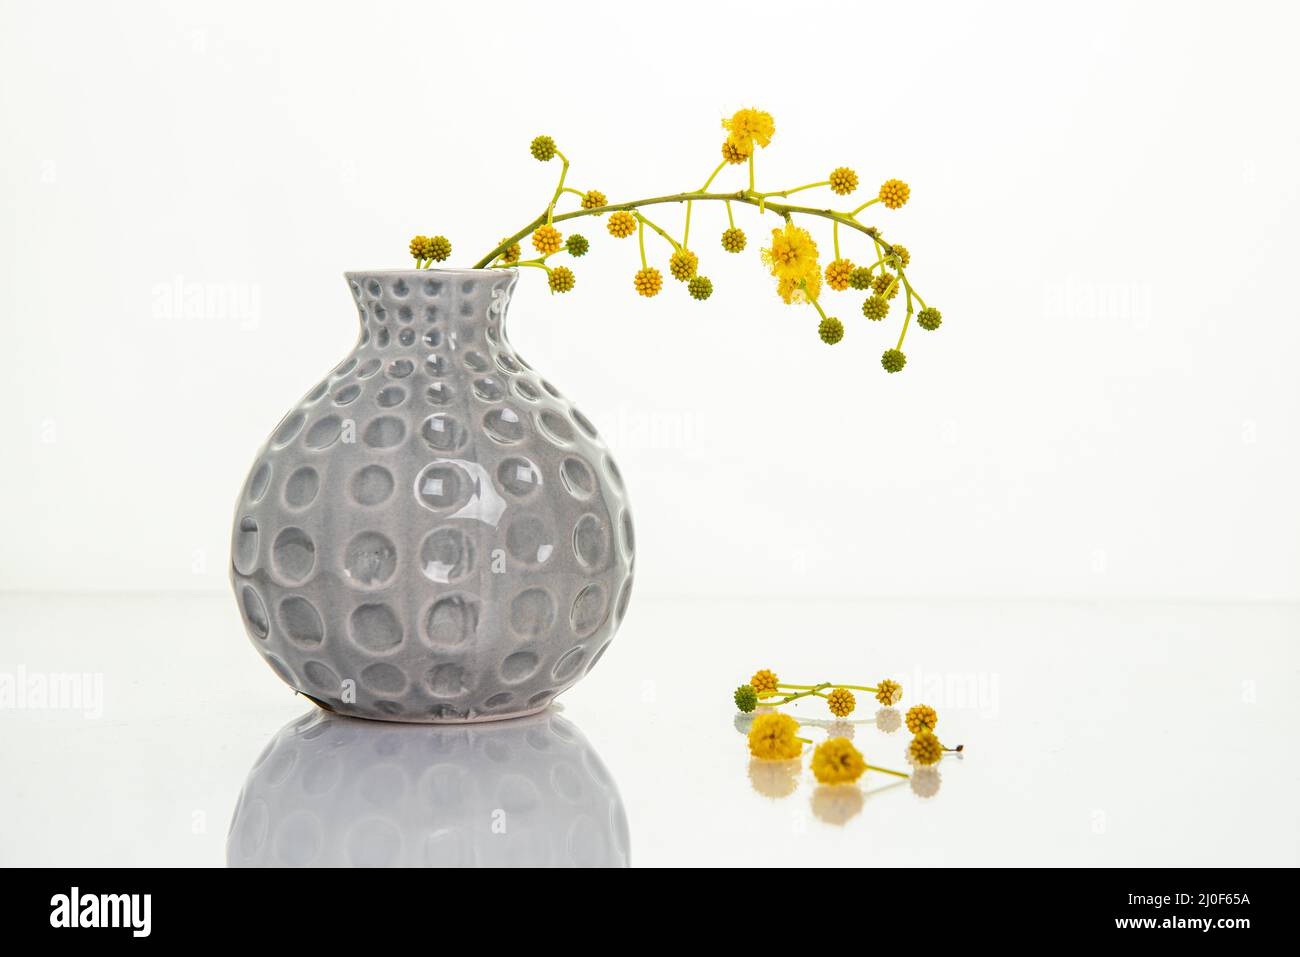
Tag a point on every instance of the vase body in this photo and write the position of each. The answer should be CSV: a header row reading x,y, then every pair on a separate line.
x,y
334,792
434,533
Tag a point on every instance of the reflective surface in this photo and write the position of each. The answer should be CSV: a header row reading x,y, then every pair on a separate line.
x,y
838,803
330,791
1122,734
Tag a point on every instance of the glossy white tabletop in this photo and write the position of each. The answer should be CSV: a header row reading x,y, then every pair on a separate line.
x,y
1095,734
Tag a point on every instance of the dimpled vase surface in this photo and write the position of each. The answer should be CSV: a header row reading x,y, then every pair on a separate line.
x,y
336,792
434,533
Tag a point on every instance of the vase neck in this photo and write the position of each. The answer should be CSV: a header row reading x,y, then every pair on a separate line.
x,y
402,309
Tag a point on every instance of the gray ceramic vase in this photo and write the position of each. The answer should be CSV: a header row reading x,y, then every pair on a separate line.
x,y
334,792
434,533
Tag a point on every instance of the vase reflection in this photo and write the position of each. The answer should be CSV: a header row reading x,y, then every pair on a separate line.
x,y
332,791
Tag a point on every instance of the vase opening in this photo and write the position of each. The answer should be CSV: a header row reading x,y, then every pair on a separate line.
x,y
422,309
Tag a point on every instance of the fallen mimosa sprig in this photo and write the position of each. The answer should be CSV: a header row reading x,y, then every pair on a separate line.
x,y
773,734
764,688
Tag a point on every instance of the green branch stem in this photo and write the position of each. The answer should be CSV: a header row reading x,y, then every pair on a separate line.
x,y
712,176
746,196
559,189
906,321
661,232
910,291
792,697
749,197
797,189
897,774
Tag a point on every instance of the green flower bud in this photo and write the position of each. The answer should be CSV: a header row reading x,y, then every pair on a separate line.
x,y
746,698
860,278
876,308
831,330
700,287
893,360
576,245
929,319
543,148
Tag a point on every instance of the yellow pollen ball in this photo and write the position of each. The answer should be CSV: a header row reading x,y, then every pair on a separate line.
x,y
648,282
841,702
621,224
894,193
837,274
547,239
843,181
683,264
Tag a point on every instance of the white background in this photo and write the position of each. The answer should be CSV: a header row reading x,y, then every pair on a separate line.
x,y
1100,206
1078,499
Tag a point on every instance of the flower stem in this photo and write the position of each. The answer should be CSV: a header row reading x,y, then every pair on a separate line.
x,y
564,171
910,290
797,189
794,697
897,774
537,263
743,196
647,222
906,322
709,182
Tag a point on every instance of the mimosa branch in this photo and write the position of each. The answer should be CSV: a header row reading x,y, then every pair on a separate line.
x,y
748,197
791,256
